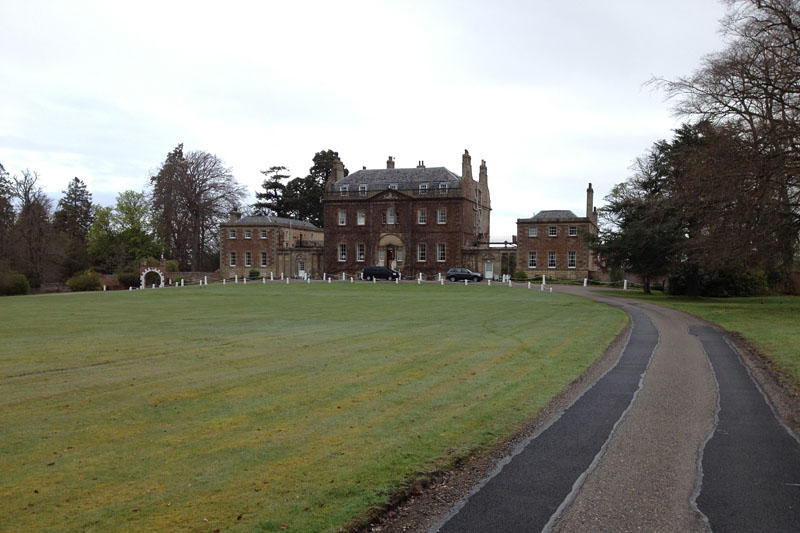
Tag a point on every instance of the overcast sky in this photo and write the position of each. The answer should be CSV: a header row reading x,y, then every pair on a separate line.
x,y
549,93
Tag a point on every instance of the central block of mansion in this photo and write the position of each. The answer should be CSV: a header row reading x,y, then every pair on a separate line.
x,y
416,220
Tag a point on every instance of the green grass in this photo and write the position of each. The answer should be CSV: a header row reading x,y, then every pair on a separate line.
x,y
266,407
771,324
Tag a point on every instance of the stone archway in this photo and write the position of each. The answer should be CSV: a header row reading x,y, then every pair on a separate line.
x,y
144,271
392,246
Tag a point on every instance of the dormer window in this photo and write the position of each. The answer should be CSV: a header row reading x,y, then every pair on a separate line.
x,y
362,189
423,188
344,190
392,186
442,188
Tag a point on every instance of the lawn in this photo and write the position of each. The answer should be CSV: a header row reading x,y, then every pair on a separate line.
x,y
771,324
266,407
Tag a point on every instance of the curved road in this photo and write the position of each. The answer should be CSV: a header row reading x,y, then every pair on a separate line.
x,y
675,437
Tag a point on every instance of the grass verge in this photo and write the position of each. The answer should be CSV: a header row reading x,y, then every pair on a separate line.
x,y
771,324
278,407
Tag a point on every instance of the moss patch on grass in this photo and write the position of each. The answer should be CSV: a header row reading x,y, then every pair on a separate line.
x,y
269,407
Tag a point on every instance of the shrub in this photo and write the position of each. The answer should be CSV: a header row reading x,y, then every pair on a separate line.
x,y
172,266
129,279
12,283
85,281
152,262
177,280
519,274
694,281
254,274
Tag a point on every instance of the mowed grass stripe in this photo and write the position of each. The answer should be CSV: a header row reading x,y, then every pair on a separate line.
x,y
297,406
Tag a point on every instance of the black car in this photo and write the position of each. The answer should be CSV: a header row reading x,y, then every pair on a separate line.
x,y
380,272
459,274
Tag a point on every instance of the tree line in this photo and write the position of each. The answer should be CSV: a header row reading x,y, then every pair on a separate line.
x,y
716,209
176,218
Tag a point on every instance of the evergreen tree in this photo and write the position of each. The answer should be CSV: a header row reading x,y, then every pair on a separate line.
x,y
271,199
72,221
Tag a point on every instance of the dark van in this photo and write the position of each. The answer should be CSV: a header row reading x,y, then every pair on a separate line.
x,y
380,272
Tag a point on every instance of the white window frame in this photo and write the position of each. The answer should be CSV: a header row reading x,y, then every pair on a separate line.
x,y
552,231
361,218
392,186
572,259
342,217
362,189
232,259
532,259
441,216
231,233
248,234
342,252
391,216
398,255
263,259
573,231
360,252
248,259
422,253
423,188
552,259
263,234
381,257
441,252
533,231
422,216
443,187
344,190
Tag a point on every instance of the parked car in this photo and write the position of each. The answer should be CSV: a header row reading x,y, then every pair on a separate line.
x,y
380,272
459,274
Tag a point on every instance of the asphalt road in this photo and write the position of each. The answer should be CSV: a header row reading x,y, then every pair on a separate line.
x,y
675,437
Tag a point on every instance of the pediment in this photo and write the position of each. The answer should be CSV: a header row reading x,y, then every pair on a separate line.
x,y
391,194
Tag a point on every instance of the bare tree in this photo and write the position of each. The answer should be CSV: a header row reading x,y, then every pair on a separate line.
x,y
32,234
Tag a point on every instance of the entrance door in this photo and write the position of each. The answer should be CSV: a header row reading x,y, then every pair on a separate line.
x,y
391,258
489,274
301,269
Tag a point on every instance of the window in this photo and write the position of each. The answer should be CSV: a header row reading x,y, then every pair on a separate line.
x,y
232,234
441,216
247,234
360,252
553,231
573,231
551,259
362,189
533,231
392,186
248,259
399,255
263,234
531,259
422,215
344,190
361,218
232,261
391,217
423,188
442,188
286,238
421,255
441,252
342,217
342,252
571,259
381,257
263,259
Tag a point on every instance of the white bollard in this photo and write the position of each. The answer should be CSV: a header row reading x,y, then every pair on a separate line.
x,y
488,283
625,285
466,282
441,281
244,280
529,284
396,281
541,287
223,281
287,281
329,280
271,276
324,276
308,280
374,280
205,280
344,276
236,279
281,276
544,281
263,280
551,289
351,279
584,281
440,276
419,282
182,283
509,283
130,288
154,285
104,288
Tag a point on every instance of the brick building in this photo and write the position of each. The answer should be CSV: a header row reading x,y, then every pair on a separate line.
x,y
416,220
269,244
553,243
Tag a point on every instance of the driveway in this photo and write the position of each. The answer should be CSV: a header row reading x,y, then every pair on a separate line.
x,y
675,437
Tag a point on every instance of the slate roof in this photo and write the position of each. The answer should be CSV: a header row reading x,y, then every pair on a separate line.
x,y
562,213
404,178
272,221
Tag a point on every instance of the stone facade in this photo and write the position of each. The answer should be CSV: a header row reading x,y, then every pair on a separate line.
x,y
416,220
553,243
271,245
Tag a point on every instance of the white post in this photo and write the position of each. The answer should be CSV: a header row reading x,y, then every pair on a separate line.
x,y
329,280
529,284
308,280
263,280
541,287
281,275
509,283
236,279
130,288
625,285
551,289
584,281
287,280
154,285
244,280
182,283
396,281
205,280
441,281
223,281
344,276
373,280
420,276
419,282
466,282
440,276
351,279
544,280
488,283
104,288
271,276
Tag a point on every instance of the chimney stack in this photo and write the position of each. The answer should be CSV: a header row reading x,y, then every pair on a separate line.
x,y
482,175
421,164
589,202
338,170
235,215
466,166
390,162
